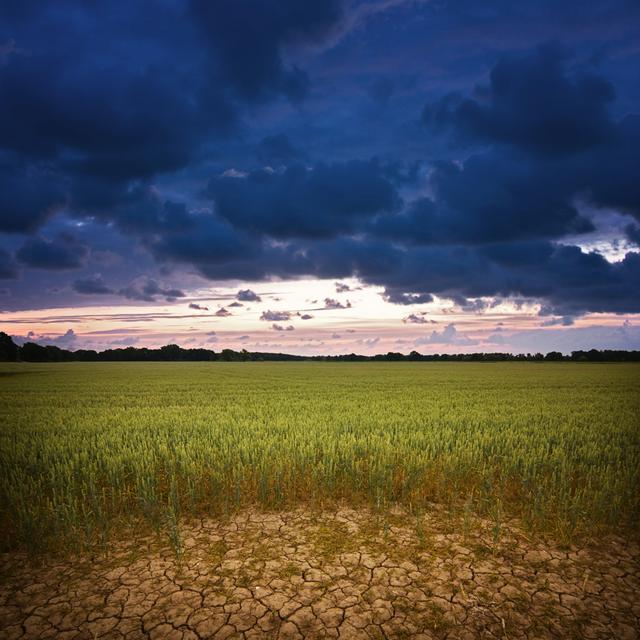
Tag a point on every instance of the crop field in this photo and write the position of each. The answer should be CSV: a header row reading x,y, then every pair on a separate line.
x,y
319,500
87,449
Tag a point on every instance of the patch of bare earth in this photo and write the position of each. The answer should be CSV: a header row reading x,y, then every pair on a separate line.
x,y
340,574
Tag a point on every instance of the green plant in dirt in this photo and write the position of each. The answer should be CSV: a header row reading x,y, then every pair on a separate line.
x,y
419,530
172,516
496,517
467,515
289,570
89,449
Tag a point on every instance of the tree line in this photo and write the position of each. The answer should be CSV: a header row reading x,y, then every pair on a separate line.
x,y
32,352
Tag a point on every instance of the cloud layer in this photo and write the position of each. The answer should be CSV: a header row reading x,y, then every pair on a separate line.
x,y
242,146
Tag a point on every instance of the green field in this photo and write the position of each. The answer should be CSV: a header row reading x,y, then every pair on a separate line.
x,y
87,449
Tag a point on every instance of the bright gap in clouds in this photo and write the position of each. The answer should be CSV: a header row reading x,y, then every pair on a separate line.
x,y
609,237
321,317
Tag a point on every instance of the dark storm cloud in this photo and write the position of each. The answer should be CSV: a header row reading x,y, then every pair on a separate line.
x,y
248,37
569,279
197,307
495,196
28,194
148,289
93,285
487,224
611,175
214,247
366,259
252,259
117,116
83,126
96,122
324,201
277,149
632,232
135,208
554,138
8,268
403,297
111,117
533,102
61,253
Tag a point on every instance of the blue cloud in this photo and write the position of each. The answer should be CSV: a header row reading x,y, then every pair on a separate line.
x,y
325,200
235,142
94,285
61,253
533,102
8,268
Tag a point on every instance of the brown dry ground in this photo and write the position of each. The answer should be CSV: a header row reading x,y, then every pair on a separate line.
x,y
338,574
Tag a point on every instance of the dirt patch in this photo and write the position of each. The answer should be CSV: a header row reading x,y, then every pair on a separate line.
x,y
338,574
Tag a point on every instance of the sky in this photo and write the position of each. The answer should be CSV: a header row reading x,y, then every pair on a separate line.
x,y
321,177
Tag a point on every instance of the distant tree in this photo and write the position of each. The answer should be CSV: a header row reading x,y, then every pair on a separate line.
x,y
85,355
32,352
9,351
56,354
170,352
595,355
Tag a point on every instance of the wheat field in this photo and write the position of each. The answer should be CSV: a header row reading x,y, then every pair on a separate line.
x,y
88,449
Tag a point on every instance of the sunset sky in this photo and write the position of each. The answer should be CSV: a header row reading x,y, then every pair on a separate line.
x,y
321,177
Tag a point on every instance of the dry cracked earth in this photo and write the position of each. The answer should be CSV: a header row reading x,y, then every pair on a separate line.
x,y
338,574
